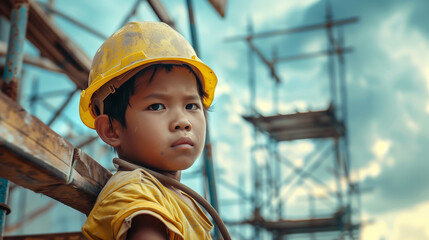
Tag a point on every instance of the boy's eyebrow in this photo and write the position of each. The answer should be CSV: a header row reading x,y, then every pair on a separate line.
x,y
166,96
193,97
156,95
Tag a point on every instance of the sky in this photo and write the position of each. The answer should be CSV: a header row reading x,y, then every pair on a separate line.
x,y
387,79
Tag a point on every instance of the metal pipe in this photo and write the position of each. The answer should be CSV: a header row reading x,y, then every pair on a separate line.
x,y
12,73
50,9
193,27
4,185
295,30
312,55
331,64
305,173
15,50
63,106
207,153
337,165
269,64
252,83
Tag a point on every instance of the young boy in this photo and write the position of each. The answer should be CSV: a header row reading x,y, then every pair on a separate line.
x,y
147,97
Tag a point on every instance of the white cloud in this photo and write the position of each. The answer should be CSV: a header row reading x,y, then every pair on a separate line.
x,y
390,161
374,231
315,45
223,155
297,149
261,157
362,82
300,106
411,124
407,44
298,162
411,223
373,169
264,106
381,147
222,88
294,196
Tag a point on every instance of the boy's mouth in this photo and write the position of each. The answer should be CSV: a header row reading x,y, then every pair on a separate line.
x,y
183,141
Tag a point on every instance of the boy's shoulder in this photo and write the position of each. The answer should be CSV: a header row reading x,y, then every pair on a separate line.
x,y
123,179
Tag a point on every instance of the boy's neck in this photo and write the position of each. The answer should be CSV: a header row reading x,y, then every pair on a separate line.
x,y
176,175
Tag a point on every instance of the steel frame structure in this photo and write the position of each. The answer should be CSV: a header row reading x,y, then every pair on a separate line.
x,y
326,127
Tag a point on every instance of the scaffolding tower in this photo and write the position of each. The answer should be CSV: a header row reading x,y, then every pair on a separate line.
x,y
326,128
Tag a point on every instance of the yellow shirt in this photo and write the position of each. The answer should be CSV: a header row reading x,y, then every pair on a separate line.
x,y
131,193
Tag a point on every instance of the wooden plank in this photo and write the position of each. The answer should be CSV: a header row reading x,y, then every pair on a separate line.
x,y
52,236
310,133
319,124
35,157
161,12
336,222
219,6
53,43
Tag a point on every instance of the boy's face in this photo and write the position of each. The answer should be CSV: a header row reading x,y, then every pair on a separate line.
x,y
165,122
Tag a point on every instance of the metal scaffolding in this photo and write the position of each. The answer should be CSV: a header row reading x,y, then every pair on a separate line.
x,y
29,147
325,128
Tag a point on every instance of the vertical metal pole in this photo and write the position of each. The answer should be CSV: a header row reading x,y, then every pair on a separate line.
x,y
207,153
331,63
4,187
346,159
275,87
343,87
34,96
255,172
278,179
252,82
193,27
12,73
312,212
209,171
14,56
337,170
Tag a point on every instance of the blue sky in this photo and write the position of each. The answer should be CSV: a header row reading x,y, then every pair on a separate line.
x,y
387,80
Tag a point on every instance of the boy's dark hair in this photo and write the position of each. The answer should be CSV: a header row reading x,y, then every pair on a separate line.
x,y
116,104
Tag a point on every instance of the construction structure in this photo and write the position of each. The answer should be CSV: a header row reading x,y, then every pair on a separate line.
x,y
279,178
35,157
32,155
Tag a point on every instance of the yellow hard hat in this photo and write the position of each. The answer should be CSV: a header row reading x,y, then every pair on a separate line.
x,y
132,48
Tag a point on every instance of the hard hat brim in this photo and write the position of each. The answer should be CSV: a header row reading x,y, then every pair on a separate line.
x,y
208,80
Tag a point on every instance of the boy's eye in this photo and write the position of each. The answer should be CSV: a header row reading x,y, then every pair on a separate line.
x,y
191,106
156,107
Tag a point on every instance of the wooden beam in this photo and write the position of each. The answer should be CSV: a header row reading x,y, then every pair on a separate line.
x,y
53,236
219,6
35,157
286,127
161,12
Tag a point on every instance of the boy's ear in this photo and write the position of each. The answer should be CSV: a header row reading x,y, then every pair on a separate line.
x,y
107,132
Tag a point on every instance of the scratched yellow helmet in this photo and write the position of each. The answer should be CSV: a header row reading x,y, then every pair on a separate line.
x,y
132,48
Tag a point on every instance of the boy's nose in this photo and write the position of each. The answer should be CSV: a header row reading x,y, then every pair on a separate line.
x,y
181,124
